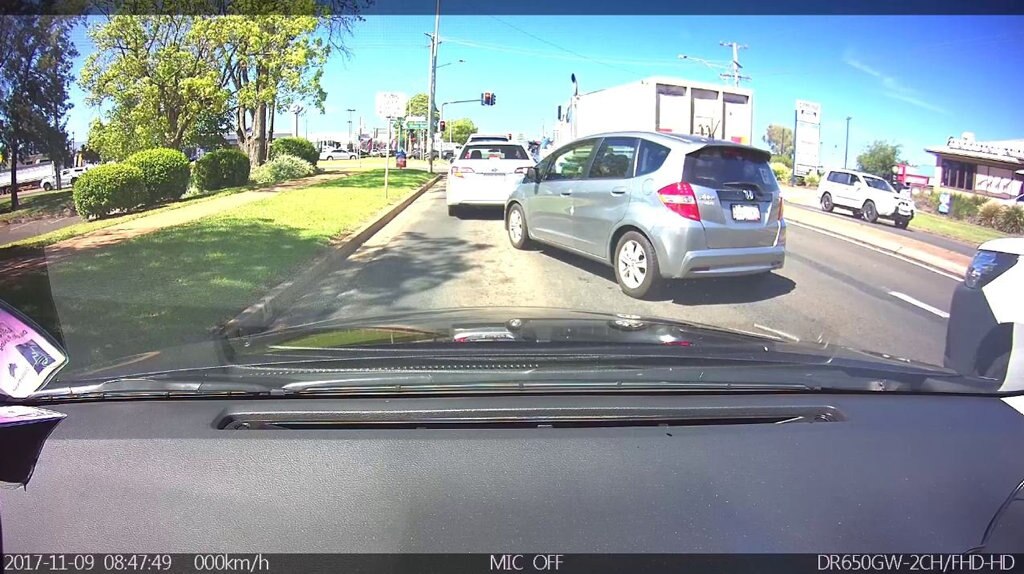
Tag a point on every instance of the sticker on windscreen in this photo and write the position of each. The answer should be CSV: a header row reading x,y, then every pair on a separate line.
x,y
28,358
766,174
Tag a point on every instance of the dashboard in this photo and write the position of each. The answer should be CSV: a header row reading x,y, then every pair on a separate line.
x,y
670,473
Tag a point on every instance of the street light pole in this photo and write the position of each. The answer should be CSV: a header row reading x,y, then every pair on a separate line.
x,y
846,150
350,110
433,83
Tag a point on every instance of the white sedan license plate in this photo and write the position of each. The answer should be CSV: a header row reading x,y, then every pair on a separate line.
x,y
746,213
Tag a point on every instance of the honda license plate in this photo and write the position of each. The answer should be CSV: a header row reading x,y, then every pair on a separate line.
x,y
746,213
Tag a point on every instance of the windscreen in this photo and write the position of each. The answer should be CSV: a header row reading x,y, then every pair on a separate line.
x,y
878,183
725,166
491,151
223,167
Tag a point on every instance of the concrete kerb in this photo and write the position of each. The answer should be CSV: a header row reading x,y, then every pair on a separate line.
x,y
259,315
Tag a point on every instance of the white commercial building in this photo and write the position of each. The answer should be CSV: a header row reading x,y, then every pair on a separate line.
x,y
993,168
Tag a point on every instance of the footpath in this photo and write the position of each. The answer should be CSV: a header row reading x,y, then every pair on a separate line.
x,y
934,257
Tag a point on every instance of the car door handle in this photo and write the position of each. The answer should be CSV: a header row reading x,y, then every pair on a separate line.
x,y
566,193
618,190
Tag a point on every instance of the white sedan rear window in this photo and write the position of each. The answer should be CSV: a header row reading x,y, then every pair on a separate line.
x,y
494,152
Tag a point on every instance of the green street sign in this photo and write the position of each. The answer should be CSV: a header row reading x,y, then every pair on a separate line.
x,y
416,125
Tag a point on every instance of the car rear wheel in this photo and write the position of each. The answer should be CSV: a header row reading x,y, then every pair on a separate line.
x,y
636,266
47,186
330,158
826,202
902,222
453,210
518,233
870,213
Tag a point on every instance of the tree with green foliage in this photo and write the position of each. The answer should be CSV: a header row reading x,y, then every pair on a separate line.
x,y
256,57
459,130
417,106
266,63
36,55
780,141
158,73
879,158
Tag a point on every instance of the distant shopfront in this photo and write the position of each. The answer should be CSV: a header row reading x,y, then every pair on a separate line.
x,y
993,169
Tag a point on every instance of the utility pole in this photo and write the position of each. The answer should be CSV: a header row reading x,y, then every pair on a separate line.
x,y
734,66
433,78
846,150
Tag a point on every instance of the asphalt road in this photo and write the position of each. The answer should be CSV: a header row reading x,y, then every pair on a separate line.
x,y
18,231
829,290
884,224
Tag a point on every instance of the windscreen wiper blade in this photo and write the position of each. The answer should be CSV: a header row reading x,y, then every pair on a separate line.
x,y
180,384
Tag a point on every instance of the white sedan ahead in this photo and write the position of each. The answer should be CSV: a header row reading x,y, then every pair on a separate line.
x,y
486,173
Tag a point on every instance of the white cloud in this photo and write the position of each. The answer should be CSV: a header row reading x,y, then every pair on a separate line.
x,y
892,87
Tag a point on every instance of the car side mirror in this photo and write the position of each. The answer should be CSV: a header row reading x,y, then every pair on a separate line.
x,y
532,175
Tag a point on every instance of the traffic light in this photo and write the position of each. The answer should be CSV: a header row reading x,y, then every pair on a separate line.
x,y
440,125
493,98
487,99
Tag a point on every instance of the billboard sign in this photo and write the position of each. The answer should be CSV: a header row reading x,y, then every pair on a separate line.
x,y
391,104
807,137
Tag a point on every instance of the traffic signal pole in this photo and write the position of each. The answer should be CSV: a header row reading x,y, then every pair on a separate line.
x,y
433,84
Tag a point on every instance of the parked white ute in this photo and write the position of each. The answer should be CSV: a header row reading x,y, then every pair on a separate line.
x,y
866,195
486,173
68,177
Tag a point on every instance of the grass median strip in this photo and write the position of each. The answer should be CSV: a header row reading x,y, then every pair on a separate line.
x,y
959,230
37,205
172,286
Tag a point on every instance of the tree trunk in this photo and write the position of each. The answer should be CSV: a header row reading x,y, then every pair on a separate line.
x,y
270,130
259,129
14,172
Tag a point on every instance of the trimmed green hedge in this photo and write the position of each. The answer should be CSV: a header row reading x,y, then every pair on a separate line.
x,y
222,168
782,172
298,147
164,171
281,168
109,188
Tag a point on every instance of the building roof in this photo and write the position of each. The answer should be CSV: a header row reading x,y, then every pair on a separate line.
x,y
1009,152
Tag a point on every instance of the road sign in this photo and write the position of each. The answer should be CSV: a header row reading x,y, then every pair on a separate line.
x,y
391,104
412,125
806,138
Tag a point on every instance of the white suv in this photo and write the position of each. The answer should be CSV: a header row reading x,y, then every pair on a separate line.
x,y
865,195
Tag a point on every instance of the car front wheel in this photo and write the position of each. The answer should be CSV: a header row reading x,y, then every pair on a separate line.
x,y
826,202
47,186
518,233
869,211
636,266
902,222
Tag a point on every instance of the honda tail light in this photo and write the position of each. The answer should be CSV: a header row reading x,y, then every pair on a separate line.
x,y
679,198
459,171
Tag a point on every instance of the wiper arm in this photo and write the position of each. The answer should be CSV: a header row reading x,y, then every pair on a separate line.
x,y
171,385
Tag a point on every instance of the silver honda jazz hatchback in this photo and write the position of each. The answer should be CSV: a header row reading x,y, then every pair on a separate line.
x,y
654,206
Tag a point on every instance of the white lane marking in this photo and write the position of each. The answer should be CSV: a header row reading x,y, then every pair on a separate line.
x,y
919,304
956,278
778,332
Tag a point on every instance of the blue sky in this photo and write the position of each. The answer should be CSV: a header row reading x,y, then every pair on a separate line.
x,y
913,80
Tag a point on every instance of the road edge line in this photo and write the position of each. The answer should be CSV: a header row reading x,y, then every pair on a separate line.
x,y
258,316
890,252
919,304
